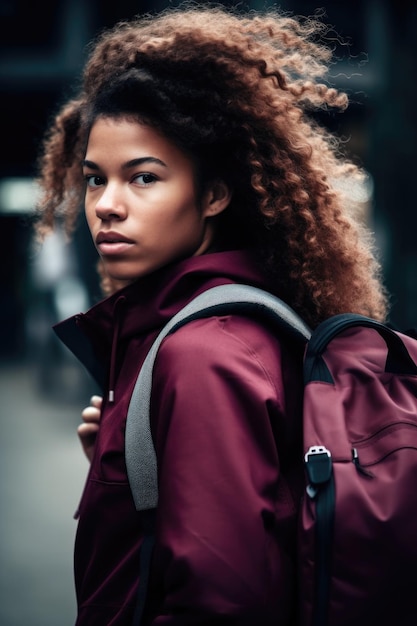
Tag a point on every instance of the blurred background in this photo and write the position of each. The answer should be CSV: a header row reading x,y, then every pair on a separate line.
x,y
42,390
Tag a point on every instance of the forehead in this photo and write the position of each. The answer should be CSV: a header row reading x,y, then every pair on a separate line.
x,y
127,138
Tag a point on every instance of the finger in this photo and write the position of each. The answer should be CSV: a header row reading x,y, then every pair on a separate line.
x,y
87,434
96,401
87,430
91,414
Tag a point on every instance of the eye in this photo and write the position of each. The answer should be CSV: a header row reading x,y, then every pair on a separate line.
x,y
145,179
94,181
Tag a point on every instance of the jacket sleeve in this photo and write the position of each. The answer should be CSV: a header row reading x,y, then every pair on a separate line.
x,y
226,515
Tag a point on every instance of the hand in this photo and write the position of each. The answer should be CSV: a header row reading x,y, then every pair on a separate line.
x,y
87,431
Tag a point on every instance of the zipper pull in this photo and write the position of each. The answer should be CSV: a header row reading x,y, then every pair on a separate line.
x,y
356,463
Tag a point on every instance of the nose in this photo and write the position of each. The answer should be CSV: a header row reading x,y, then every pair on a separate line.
x,y
111,204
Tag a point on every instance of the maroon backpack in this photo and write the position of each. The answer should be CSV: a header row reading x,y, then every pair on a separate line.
x,y
357,542
358,526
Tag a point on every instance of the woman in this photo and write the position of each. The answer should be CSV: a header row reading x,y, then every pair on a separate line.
x,y
192,147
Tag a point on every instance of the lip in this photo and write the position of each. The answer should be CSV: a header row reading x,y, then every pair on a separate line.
x,y
111,237
112,243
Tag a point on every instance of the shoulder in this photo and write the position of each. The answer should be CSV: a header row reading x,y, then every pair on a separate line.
x,y
213,334
233,346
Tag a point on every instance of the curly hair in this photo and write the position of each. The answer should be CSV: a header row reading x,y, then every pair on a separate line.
x,y
236,92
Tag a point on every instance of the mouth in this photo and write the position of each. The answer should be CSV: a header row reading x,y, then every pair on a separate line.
x,y
111,237
112,243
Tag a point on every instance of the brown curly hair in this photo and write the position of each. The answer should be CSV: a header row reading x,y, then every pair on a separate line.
x,y
236,92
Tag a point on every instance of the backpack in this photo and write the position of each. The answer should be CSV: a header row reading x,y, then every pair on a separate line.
x,y
357,535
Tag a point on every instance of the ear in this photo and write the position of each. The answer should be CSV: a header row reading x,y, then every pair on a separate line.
x,y
216,198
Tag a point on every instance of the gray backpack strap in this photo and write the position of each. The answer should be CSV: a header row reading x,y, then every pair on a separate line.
x,y
222,300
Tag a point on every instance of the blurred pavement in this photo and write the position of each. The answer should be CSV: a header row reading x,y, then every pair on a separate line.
x,y
42,472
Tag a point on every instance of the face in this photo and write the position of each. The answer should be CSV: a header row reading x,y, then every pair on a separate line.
x,y
141,203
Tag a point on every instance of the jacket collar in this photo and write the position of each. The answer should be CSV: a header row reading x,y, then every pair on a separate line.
x,y
144,306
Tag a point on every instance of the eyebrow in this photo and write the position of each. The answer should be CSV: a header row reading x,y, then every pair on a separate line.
x,y
133,163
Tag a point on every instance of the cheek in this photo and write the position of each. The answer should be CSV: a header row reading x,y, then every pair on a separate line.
x,y
187,211
89,215
91,227
89,224
186,224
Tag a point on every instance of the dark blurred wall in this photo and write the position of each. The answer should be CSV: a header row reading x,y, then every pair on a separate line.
x,y
393,151
42,49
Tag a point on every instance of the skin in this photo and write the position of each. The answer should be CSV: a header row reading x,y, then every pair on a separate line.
x,y
141,202
143,211
87,431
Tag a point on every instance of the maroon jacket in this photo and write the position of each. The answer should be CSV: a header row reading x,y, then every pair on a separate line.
x,y
225,418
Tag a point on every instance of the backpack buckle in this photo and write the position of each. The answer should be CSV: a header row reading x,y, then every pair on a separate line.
x,y
318,460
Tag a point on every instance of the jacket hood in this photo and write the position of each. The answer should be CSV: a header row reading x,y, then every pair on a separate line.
x,y
147,304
